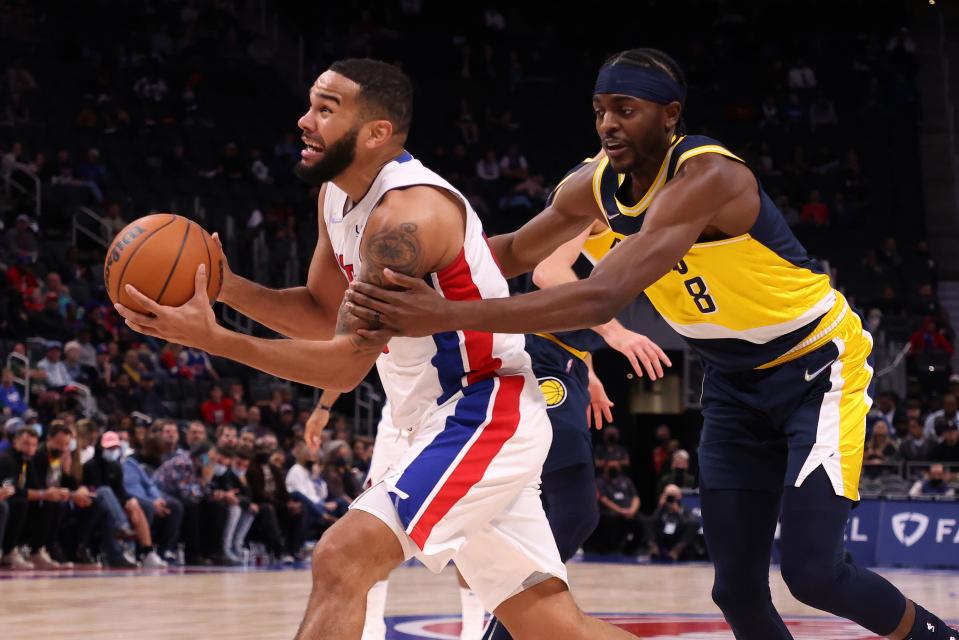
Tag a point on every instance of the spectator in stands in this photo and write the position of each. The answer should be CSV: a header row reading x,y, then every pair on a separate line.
x,y
926,302
77,372
226,436
132,366
929,338
55,374
301,486
148,396
939,421
187,477
236,393
880,448
679,474
673,528
105,470
661,454
620,528
196,365
822,115
337,471
487,168
513,166
226,487
248,438
917,445
217,410
278,511
171,440
610,450
801,77
241,464
17,472
948,449
241,416
113,221
887,408
934,484
93,173
49,321
11,400
815,211
20,79
196,433
21,240
163,512
258,169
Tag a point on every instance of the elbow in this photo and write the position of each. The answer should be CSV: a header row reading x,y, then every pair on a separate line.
x,y
540,277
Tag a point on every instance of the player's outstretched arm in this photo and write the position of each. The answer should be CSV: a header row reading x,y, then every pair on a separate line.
x,y
413,244
641,352
709,191
571,211
307,312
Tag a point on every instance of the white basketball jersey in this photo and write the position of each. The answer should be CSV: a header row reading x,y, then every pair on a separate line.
x,y
420,374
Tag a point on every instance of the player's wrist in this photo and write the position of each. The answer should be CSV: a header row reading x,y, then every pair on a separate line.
x,y
231,288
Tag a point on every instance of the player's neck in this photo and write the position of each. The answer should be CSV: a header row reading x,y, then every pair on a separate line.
x,y
358,178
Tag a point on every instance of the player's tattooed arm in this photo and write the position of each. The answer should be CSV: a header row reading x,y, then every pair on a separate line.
x,y
396,247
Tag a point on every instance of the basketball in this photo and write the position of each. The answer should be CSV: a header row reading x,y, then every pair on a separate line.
x,y
159,255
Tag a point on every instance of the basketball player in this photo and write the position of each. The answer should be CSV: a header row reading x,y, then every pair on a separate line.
x,y
467,488
785,390
575,398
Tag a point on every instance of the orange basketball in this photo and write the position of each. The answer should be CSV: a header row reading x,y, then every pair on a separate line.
x,y
159,255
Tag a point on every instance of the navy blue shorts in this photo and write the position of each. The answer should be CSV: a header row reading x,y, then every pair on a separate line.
x,y
564,381
767,428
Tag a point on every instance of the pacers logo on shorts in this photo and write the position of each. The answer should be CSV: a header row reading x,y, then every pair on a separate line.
x,y
554,391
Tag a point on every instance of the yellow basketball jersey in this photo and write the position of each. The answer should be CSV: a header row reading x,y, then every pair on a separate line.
x,y
746,302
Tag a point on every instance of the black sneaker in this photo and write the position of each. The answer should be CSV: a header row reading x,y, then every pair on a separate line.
x,y
85,558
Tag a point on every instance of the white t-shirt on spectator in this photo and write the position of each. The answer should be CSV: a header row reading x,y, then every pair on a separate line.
x,y
299,479
508,163
57,374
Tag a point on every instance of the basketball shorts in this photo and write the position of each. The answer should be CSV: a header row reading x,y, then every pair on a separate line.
x,y
564,381
767,428
467,489
388,448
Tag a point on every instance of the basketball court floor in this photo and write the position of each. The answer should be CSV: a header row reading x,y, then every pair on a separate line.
x,y
651,601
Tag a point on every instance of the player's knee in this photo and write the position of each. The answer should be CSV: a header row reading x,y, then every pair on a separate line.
x,y
735,594
331,569
810,582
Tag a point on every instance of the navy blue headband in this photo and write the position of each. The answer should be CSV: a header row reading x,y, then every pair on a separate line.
x,y
639,82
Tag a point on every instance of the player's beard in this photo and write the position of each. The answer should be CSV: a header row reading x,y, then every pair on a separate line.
x,y
336,159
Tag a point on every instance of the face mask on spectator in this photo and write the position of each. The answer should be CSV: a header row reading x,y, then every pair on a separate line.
x,y
73,445
111,455
124,448
219,469
239,472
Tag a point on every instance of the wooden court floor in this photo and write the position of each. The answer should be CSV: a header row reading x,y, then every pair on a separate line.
x,y
267,605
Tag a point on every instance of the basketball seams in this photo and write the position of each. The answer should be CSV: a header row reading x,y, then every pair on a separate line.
x,y
133,252
176,261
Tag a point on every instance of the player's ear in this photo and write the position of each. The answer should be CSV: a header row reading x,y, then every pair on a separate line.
x,y
671,115
379,133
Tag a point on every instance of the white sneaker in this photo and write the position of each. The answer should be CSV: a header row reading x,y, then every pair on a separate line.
x,y
15,560
153,561
42,560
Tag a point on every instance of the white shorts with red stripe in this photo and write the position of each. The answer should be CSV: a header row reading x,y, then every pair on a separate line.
x,y
388,448
467,489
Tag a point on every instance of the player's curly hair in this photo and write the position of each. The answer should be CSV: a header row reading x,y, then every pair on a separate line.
x,y
653,59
